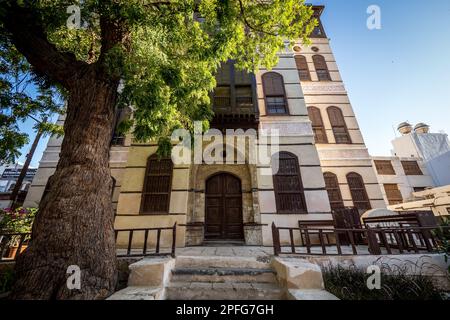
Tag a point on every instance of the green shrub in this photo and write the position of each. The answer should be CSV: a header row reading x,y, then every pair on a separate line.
x,y
350,284
19,220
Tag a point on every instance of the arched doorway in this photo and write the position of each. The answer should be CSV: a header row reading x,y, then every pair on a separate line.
x,y
223,216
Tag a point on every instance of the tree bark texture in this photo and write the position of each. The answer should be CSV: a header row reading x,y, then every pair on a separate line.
x,y
74,225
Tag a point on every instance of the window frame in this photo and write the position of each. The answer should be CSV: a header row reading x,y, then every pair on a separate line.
x,y
335,126
298,63
301,191
336,188
318,61
318,126
363,189
416,171
383,168
395,198
150,159
286,105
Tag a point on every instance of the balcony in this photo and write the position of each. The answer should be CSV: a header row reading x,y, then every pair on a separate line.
x,y
240,112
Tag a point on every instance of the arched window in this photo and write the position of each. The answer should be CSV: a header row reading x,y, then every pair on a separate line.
x,y
274,93
288,186
157,186
334,192
303,69
338,124
358,191
320,134
321,68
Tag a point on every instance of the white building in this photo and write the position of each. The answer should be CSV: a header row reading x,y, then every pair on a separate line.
x,y
8,177
433,148
399,178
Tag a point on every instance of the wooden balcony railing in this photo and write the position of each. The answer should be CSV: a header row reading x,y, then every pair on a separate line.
x,y
141,248
13,244
362,241
243,106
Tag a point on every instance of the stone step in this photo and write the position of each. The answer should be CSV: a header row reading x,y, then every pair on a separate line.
x,y
221,275
312,294
139,293
198,262
223,291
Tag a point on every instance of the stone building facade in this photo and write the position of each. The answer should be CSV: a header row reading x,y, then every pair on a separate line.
x,y
323,161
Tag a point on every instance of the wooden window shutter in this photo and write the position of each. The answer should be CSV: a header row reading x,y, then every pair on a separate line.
x,y
393,194
338,125
321,68
411,168
303,69
358,191
157,186
334,191
384,167
275,96
273,84
320,134
288,186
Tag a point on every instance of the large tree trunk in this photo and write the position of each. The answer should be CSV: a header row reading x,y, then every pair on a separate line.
x,y
74,225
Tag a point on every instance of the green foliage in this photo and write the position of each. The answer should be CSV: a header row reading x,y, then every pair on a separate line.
x,y
19,220
23,94
350,284
169,59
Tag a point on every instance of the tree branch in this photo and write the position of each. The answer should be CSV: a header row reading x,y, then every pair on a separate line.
x,y
249,25
29,37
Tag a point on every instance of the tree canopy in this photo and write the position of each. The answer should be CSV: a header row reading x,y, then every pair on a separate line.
x,y
166,61
23,95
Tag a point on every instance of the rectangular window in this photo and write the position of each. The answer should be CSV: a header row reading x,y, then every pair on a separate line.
x,y
244,98
323,75
393,194
341,135
157,186
276,105
222,98
419,189
411,168
288,186
319,135
384,167
304,75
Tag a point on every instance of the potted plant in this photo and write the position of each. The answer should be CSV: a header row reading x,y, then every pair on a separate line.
x,y
14,224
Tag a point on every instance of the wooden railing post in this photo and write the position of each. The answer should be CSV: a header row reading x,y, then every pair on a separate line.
x,y
174,239
291,237
158,240
130,241
276,240
372,241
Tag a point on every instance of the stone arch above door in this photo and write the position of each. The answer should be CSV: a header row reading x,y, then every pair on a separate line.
x,y
250,208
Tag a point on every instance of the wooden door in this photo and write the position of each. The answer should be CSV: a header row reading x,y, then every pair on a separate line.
x,y
223,219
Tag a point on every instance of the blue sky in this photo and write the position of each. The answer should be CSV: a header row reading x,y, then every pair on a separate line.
x,y
399,73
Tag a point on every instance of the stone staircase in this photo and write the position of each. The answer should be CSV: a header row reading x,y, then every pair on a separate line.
x,y
223,278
